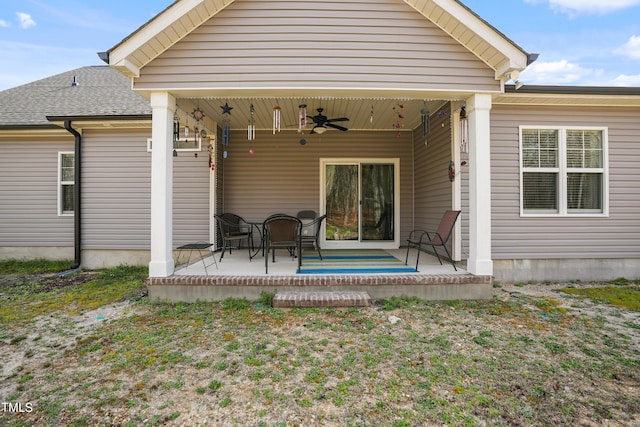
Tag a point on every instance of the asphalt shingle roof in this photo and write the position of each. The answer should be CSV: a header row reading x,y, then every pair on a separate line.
x,y
101,91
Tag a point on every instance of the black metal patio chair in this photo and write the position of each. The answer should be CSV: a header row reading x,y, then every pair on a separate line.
x,y
311,232
281,231
233,231
420,238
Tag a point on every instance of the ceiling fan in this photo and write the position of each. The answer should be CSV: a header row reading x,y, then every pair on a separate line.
x,y
322,122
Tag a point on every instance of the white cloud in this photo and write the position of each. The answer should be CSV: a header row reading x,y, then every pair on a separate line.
x,y
624,80
587,6
560,72
4,23
25,20
631,48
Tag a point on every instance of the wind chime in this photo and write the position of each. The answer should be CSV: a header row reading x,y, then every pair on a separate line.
x,y
251,127
302,117
176,131
424,120
176,127
398,117
186,128
226,127
276,119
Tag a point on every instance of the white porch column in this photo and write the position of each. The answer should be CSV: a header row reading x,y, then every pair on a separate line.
x,y
163,105
479,113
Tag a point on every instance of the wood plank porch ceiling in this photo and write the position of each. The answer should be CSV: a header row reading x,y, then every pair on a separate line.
x,y
364,114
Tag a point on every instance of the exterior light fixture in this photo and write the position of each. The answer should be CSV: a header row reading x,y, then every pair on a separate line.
x,y
464,130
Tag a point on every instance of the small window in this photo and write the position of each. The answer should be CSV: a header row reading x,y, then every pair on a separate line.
x,y
563,171
66,183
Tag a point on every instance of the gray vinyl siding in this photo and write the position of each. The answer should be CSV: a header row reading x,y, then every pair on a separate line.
x,y
433,190
329,44
283,176
29,194
617,236
117,192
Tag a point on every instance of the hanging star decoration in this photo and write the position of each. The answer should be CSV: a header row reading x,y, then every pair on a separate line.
x,y
226,109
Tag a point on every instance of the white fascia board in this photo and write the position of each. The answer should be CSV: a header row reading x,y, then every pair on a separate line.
x,y
515,58
120,56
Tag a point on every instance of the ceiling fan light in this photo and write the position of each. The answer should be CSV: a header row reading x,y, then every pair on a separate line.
x,y
320,129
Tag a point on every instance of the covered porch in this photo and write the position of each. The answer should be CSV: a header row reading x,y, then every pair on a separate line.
x,y
407,84
237,277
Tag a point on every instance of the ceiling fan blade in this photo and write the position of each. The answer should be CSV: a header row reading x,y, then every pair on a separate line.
x,y
331,125
339,119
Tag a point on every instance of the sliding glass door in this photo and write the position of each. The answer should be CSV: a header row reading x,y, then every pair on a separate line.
x,y
360,198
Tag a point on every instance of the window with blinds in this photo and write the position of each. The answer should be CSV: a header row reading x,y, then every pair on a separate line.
x,y
66,183
563,171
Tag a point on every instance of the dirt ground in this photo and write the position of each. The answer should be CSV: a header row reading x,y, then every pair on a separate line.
x,y
52,343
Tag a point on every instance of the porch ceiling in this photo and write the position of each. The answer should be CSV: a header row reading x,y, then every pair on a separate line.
x,y
364,114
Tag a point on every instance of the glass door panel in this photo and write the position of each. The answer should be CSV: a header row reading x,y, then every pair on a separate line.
x,y
341,189
377,201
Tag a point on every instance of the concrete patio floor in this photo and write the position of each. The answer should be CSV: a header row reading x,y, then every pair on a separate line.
x,y
237,277
237,263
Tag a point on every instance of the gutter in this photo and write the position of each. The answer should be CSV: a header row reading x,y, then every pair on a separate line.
x,y
77,215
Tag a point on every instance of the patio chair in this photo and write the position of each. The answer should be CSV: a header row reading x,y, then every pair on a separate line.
x,y
233,230
311,233
281,231
420,238
308,214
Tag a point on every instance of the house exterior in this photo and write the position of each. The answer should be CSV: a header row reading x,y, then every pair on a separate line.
x,y
546,177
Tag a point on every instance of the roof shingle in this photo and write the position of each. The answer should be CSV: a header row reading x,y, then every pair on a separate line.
x,y
101,91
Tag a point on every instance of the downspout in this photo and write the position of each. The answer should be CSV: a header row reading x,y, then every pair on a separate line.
x,y
76,193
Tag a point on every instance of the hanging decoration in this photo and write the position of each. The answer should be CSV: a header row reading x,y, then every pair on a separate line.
x,y
198,115
371,115
186,129
176,126
276,119
226,109
398,117
464,130
251,127
302,117
226,127
424,120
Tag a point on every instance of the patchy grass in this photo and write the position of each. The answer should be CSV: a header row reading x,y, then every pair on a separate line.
x,y
14,266
512,360
621,296
29,297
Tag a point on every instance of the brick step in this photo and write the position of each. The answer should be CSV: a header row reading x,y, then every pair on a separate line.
x,y
306,299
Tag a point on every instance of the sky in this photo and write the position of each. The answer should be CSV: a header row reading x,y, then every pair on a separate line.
x,y
579,42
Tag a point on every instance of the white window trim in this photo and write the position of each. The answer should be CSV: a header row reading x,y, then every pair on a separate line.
x,y
359,244
563,170
62,183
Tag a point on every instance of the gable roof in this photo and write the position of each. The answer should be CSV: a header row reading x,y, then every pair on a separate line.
x,y
99,92
183,16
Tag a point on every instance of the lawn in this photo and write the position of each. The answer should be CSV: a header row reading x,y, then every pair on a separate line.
x,y
89,349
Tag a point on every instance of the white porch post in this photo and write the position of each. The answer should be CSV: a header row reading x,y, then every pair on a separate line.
x,y
479,113
163,107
